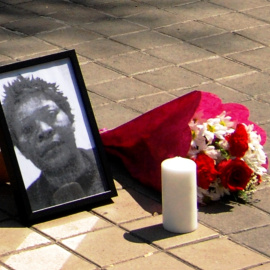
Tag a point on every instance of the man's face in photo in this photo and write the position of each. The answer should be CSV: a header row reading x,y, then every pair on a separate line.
x,y
44,132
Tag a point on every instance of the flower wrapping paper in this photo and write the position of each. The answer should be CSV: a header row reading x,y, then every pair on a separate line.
x,y
144,142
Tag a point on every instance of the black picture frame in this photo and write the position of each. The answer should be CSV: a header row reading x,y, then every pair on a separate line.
x,y
36,197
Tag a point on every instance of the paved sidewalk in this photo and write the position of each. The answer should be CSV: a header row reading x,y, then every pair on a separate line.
x,y
136,55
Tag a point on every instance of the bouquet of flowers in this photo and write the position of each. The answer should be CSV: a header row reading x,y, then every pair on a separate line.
x,y
220,138
229,156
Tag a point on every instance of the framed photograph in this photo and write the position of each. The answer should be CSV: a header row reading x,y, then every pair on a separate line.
x,y
49,137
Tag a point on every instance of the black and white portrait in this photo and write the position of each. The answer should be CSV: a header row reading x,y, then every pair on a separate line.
x,y
52,140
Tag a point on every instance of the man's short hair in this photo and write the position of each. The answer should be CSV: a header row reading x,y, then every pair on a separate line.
x,y
22,88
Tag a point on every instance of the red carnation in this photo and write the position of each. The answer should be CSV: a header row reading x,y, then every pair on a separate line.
x,y
238,141
206,172
234,174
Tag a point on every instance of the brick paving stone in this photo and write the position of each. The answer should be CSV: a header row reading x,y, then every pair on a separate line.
x,y
261,198
50,257
71,225
101,48
233,21
43,7
198,10
257,110
6,34
5,62
146,103
257,239
155,261
93,3
129,205
76,14
153,72
258,58
190,30
253,84
232,217
121,8
217,68
171,78
266,147
15,237
141,62
11,13
261,267
34,25
260,34
113,115
237,5
66,37
83,60
180,53
118,185
156,18
37,54
108,246
226,43
219,254
97,100
94,73
268,71
266,126
113,26
168,3
261,13
122,89
24,47
226,94
145,39
151,230
4,59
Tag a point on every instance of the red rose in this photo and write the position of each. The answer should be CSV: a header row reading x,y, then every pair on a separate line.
x,y
238,141
206,172
234,174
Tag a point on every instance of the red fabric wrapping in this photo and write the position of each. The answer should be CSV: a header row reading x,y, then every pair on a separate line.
x,y
143,143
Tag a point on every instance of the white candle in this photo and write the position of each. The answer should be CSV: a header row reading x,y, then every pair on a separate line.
x,y
179,195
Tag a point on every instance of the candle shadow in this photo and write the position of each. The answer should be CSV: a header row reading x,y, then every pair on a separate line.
x,y
149,234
